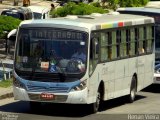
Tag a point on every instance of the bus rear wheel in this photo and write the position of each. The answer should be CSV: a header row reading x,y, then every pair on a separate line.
x,y
133,90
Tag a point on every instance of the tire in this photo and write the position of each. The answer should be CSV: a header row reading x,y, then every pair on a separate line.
x,y
133,90
95,106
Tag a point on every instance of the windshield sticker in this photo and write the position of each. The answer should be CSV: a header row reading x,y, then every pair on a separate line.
x,y
82,43
45,65
52,68
25,59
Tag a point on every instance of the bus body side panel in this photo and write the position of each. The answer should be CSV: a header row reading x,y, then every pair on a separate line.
x,y
127,78
108,76
132,62
93,83
140,73
149,69
119,77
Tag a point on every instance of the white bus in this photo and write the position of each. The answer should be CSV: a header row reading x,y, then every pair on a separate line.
x,y
119,59
151,12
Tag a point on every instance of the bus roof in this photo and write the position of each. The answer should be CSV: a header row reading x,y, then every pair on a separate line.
x,y
140,9
93,21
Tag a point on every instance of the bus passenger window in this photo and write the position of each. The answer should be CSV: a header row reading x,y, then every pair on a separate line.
x,y
103,46
118,34
96,48
128,41
141,41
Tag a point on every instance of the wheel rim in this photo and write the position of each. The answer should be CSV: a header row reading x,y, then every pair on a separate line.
x,y
97,101
133,94
133,91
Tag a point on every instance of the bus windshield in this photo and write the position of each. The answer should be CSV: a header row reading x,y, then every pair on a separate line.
x,y
37,15
51,50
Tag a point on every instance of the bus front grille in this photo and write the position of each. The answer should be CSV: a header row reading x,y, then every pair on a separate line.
x,y
57,98
47,89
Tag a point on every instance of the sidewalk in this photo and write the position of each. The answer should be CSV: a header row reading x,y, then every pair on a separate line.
x,y
8,59
9,3
6,92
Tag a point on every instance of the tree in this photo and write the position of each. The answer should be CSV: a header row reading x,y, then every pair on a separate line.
x,y
113,4
76,9
132,3
7,23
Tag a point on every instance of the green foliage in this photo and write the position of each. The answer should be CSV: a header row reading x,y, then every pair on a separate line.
x,y
6,83
76,9
113,4
7,23
133,3
95,4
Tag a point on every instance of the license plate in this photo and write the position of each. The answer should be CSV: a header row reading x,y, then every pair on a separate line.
x,y
47,96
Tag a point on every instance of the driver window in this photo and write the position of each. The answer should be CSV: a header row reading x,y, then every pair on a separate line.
x,y
94,53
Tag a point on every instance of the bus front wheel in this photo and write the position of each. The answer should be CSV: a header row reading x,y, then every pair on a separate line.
x,y
133,90
95,106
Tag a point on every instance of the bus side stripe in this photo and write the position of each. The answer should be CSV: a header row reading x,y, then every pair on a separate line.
x,y
106,26
120,24
98,27
147,21
128,23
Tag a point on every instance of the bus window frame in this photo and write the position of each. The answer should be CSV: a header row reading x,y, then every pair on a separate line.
x,y
98,32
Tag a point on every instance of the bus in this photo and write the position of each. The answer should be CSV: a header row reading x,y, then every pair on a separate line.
x,y
151,12
119,59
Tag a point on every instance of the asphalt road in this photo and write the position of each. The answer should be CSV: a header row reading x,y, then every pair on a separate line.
x,y
145,107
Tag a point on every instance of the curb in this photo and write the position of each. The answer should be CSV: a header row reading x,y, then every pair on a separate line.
x,y
7,95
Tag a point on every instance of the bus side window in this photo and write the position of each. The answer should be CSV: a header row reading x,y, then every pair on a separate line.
x,y
141,43
128,39
150,38
132,42
95,48
118,42
94,54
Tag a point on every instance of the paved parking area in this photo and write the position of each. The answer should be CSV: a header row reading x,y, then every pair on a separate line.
x,y
9,3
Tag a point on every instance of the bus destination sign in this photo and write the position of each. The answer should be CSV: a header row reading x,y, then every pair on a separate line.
x,y
56,34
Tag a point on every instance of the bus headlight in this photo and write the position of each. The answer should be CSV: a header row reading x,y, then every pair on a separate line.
x,y
17,83
81,86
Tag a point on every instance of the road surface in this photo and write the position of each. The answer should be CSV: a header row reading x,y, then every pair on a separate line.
x,y
146,107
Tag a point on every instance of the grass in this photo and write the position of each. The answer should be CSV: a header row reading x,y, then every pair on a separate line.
x,y
6,83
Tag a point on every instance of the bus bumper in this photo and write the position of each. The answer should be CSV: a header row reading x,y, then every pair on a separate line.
x,y
73,97
156,78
